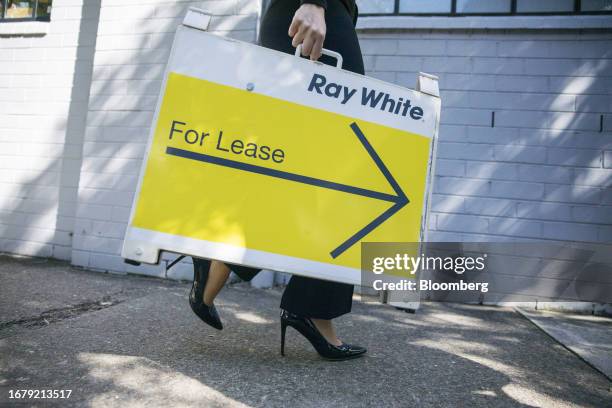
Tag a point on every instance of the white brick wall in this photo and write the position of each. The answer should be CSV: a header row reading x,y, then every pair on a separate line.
x,y
133,44
544,171
44,87
73,125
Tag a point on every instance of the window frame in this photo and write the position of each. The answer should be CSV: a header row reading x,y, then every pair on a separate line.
x,y
576,12
4,3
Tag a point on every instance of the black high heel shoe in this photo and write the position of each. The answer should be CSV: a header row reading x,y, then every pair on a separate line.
x,y
208,314
307,328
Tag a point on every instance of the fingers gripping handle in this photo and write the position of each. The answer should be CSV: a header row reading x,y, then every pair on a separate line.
x,y
324,51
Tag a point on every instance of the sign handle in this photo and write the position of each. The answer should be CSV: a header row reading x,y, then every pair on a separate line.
x,y
324,51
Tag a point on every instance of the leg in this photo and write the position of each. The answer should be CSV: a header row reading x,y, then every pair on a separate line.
x,y
318,300
208,280
326,328
217,276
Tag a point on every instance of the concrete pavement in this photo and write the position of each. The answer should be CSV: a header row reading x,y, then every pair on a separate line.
x,y
590,337
133,341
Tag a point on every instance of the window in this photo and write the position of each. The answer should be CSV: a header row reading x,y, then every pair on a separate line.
x,y
544,6
19,10
376,7
491,6
424,6
596,5
483,7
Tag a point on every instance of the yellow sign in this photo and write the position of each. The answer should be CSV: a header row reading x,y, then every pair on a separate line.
x,y
236,167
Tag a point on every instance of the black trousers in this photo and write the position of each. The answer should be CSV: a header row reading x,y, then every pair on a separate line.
x,y
303,296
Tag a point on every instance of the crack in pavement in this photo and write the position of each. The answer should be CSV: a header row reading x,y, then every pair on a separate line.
x,y
58,314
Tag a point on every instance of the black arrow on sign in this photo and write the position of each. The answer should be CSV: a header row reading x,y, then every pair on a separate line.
x,y
399,200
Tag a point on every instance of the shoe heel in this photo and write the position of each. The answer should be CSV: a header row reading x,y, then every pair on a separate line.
x,y
283,330
307,328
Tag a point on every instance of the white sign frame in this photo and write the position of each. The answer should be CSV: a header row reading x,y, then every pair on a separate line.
x,y
274,74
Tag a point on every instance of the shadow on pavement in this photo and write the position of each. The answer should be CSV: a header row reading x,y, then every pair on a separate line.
x,y
150,348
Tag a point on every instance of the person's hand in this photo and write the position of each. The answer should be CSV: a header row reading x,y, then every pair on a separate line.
x,y
308,28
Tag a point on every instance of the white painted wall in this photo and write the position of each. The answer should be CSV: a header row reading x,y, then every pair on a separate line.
x,y
45,72
545,170
133,44
73,129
